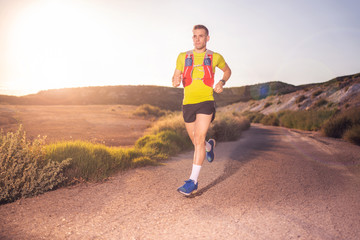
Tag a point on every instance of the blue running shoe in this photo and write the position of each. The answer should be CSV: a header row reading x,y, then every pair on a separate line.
x,y
210,155
188,188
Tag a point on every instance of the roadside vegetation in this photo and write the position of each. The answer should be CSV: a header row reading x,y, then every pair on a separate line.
x,y
149,111
228,127
28,168
304,120
24,168
344,125
331,122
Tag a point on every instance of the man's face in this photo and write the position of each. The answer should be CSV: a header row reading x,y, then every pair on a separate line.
x,y
200,39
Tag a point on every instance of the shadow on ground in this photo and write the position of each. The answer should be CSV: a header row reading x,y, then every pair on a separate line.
x,y
246,150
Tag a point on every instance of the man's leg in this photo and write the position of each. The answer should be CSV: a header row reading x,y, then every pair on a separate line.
x,y
197,132
190,128
202,124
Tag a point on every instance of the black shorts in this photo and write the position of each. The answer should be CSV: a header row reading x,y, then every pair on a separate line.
x,y
190,110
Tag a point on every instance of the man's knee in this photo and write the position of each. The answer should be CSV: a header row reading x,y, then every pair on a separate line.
x,y
199,140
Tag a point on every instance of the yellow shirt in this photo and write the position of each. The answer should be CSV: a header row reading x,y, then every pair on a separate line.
x,y
197,91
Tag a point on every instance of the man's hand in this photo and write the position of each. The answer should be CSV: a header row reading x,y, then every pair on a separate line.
x,y
177,81
219,87
177,78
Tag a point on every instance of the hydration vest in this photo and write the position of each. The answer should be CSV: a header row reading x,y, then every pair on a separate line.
x,y
208,78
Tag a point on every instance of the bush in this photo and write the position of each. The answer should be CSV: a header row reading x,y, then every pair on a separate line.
x,y
173,122
268,104
353,135
92,162
143,161
300,99
24,169
341,122
304,120
254,117
336,127
316,93
228,127
270,120
165,143
321,102
149,111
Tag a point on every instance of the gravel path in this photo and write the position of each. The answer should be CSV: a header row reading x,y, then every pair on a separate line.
x,y
273,183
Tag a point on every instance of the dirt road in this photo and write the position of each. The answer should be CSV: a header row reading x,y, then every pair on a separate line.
x,y
273,183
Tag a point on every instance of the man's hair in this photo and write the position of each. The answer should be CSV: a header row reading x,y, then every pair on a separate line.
x,y
199,26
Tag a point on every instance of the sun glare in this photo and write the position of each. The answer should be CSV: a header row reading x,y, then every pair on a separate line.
x,y
54,45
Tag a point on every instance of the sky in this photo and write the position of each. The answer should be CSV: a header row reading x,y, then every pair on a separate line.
x,y
50,44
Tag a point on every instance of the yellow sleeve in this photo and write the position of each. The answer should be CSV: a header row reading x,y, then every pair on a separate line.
x,y
180,62
219,61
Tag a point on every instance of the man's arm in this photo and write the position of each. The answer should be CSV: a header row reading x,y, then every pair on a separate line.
x,y
227,73
177,78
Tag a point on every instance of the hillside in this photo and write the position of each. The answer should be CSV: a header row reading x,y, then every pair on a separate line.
x,y
274,95
169,98
341,92
164,97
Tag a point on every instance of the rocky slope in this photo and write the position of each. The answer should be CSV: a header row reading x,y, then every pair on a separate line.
x,y
342,92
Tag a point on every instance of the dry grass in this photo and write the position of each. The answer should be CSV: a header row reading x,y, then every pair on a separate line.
x,y
344,122
24,168
29,168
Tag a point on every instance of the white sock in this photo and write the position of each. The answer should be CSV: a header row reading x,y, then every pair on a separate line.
x,y
207,146
195,172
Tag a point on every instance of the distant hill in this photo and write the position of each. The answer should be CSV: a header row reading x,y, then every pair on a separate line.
x,y
341,93
164,97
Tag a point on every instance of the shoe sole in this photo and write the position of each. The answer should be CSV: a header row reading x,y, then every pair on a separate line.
x,y
187,194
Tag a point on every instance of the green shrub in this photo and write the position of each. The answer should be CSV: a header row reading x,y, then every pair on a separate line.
x,y
92,162
330,105
336,127
316,93
268,104
270,120
165,142
321,102
254,117
24,169
143,161
300,99
258,117
173,122
149,111
353,134
228,127
341,122
304,120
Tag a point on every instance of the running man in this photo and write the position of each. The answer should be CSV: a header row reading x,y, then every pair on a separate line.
x,y
195,69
